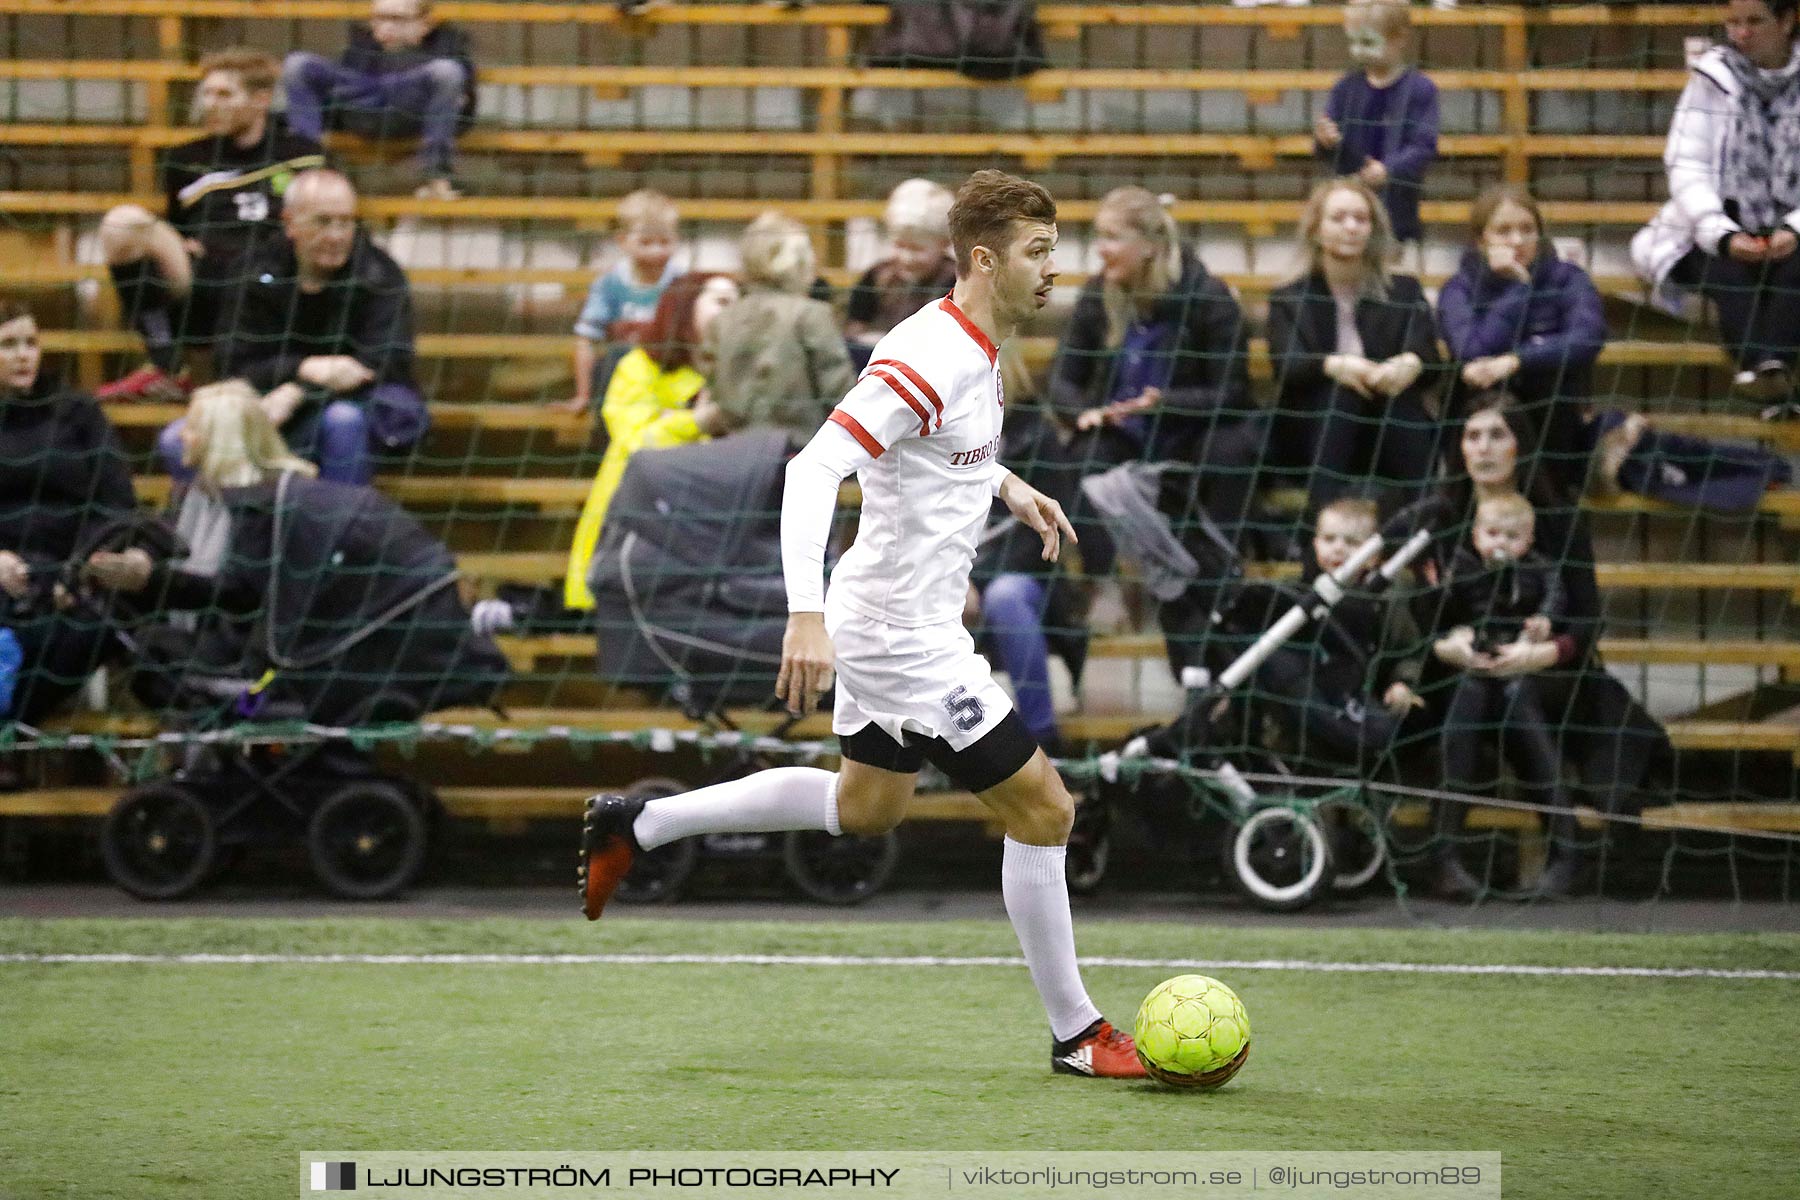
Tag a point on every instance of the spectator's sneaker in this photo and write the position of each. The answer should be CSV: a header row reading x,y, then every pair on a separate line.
x,y
439,188
608,849
1769,379
1100,1051
149,383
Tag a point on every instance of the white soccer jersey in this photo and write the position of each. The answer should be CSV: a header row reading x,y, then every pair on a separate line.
x,y
929,409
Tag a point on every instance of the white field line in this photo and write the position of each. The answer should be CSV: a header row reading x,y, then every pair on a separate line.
x,y
878,960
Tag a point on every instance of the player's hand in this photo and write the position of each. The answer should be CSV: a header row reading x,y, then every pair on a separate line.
x,y
806,658
1401,699
575,406
1537,629
15,576
1326,132
1457,649
1747,247
1782,243
1043,515
1374,173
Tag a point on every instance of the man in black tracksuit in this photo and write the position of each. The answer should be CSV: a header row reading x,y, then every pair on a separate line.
x,y
178,278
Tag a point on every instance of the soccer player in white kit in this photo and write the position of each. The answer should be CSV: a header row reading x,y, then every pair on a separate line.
x,y
921,430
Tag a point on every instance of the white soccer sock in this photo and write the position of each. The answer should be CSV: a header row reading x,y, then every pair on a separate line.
x,y
1037,901
777,799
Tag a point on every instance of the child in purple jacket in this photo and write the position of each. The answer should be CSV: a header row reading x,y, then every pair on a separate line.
x,y
1381,119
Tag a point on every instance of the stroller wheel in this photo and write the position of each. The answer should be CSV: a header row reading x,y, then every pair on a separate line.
x,y
159,841
1280,858
658,876
366,841
1358,849
1090,846
839,870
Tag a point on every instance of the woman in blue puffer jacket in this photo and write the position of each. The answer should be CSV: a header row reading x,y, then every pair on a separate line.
x,y
1515,314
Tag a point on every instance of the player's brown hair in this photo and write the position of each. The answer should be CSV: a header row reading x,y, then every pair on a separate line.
x,y
11,310
987,206
1353,508
256,70
1507,504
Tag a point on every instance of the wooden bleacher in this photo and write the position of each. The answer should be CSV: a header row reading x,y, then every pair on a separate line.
x,y
826,152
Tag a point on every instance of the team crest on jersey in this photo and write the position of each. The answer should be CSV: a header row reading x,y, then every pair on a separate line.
x,y
999,385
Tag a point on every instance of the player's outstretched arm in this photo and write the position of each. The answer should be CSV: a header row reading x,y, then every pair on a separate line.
x,y
1043,515
806,658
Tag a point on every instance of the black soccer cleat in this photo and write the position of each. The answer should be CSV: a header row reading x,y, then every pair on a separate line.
x,y
608,848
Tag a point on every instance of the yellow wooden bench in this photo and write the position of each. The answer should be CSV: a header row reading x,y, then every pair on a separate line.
x,y
1260,215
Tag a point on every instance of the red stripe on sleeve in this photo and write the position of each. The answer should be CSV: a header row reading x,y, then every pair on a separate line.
x,y
854,428
918,381
918,409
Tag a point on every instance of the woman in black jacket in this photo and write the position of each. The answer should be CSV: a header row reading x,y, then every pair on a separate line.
x,y
1596,726
62,476
1154,367
1355,354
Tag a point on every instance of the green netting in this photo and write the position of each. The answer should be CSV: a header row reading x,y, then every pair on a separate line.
x,y
350,621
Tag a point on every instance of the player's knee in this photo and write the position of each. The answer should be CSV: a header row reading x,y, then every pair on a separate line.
x,y
1043,812
864,813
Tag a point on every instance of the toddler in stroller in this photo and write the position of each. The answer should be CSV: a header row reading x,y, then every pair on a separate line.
x,y
1284,684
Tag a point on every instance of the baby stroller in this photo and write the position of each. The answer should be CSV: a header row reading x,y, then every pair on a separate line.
x,y
1286,844
690,560
358,622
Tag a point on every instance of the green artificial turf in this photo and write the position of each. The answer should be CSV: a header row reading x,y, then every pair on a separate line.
x,y
198,1081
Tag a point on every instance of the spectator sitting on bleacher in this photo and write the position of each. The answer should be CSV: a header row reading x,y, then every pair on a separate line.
x,y
227,441
1501,595
1612,742
1153,367
778,356
917,271
1515,314
622,302
1380,122
657,399
176,276
325,331
1731,226
62,476
324,596
1355,352
403,74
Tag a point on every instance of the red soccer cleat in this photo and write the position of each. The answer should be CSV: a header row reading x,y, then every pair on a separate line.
x,y
1100,1051
149,382
607,850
